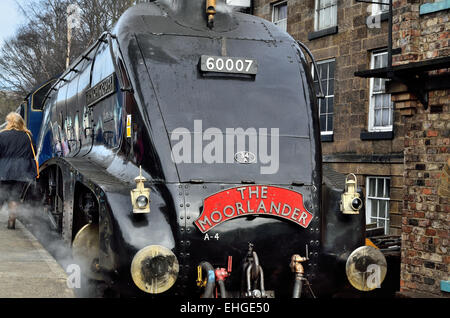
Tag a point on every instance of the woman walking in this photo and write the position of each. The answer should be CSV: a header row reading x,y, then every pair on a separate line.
x,y
17,163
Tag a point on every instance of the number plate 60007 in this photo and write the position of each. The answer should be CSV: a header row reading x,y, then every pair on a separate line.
x,y
224,64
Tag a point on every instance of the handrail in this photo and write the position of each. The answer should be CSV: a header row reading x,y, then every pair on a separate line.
x,y
72,67
316,69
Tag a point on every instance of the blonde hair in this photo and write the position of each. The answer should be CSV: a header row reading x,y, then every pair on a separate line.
x,y
15,122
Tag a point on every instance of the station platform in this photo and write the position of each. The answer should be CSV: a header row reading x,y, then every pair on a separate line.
x,y
27,270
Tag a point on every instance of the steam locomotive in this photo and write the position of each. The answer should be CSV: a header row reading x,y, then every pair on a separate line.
x,y
181,155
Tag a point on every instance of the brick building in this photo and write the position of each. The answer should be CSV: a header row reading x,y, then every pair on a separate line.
x,y
361,133
422,31
394,134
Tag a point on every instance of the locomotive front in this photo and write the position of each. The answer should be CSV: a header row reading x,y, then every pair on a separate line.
x,y
222,119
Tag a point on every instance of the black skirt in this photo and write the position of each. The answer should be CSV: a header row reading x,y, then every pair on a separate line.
x,y
11,190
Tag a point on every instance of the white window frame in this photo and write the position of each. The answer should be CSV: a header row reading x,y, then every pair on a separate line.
x,y
378,8
282,24
371,199
317,9
326,93
372,94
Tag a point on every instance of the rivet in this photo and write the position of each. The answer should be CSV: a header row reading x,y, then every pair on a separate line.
x,y
188,205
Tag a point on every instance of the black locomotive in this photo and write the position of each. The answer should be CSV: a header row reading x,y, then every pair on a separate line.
x,y
181,155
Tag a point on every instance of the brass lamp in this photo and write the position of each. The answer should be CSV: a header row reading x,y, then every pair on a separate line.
x,y
350,200
140,197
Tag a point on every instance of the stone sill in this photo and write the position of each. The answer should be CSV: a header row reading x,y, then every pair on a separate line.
x,y
378,135
327,138
321,33
428,8
391,158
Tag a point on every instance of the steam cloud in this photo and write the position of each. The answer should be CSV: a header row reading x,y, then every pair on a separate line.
x,y
36,220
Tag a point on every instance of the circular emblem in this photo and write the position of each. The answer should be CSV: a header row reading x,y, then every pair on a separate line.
x,y
245,157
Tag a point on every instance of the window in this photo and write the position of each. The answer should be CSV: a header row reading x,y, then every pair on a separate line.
x,y
326,106
381,111
103,65
380,8
377,202
325,14
39,95
279,15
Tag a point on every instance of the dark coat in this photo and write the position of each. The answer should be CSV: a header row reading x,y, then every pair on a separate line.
x,y
16,157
